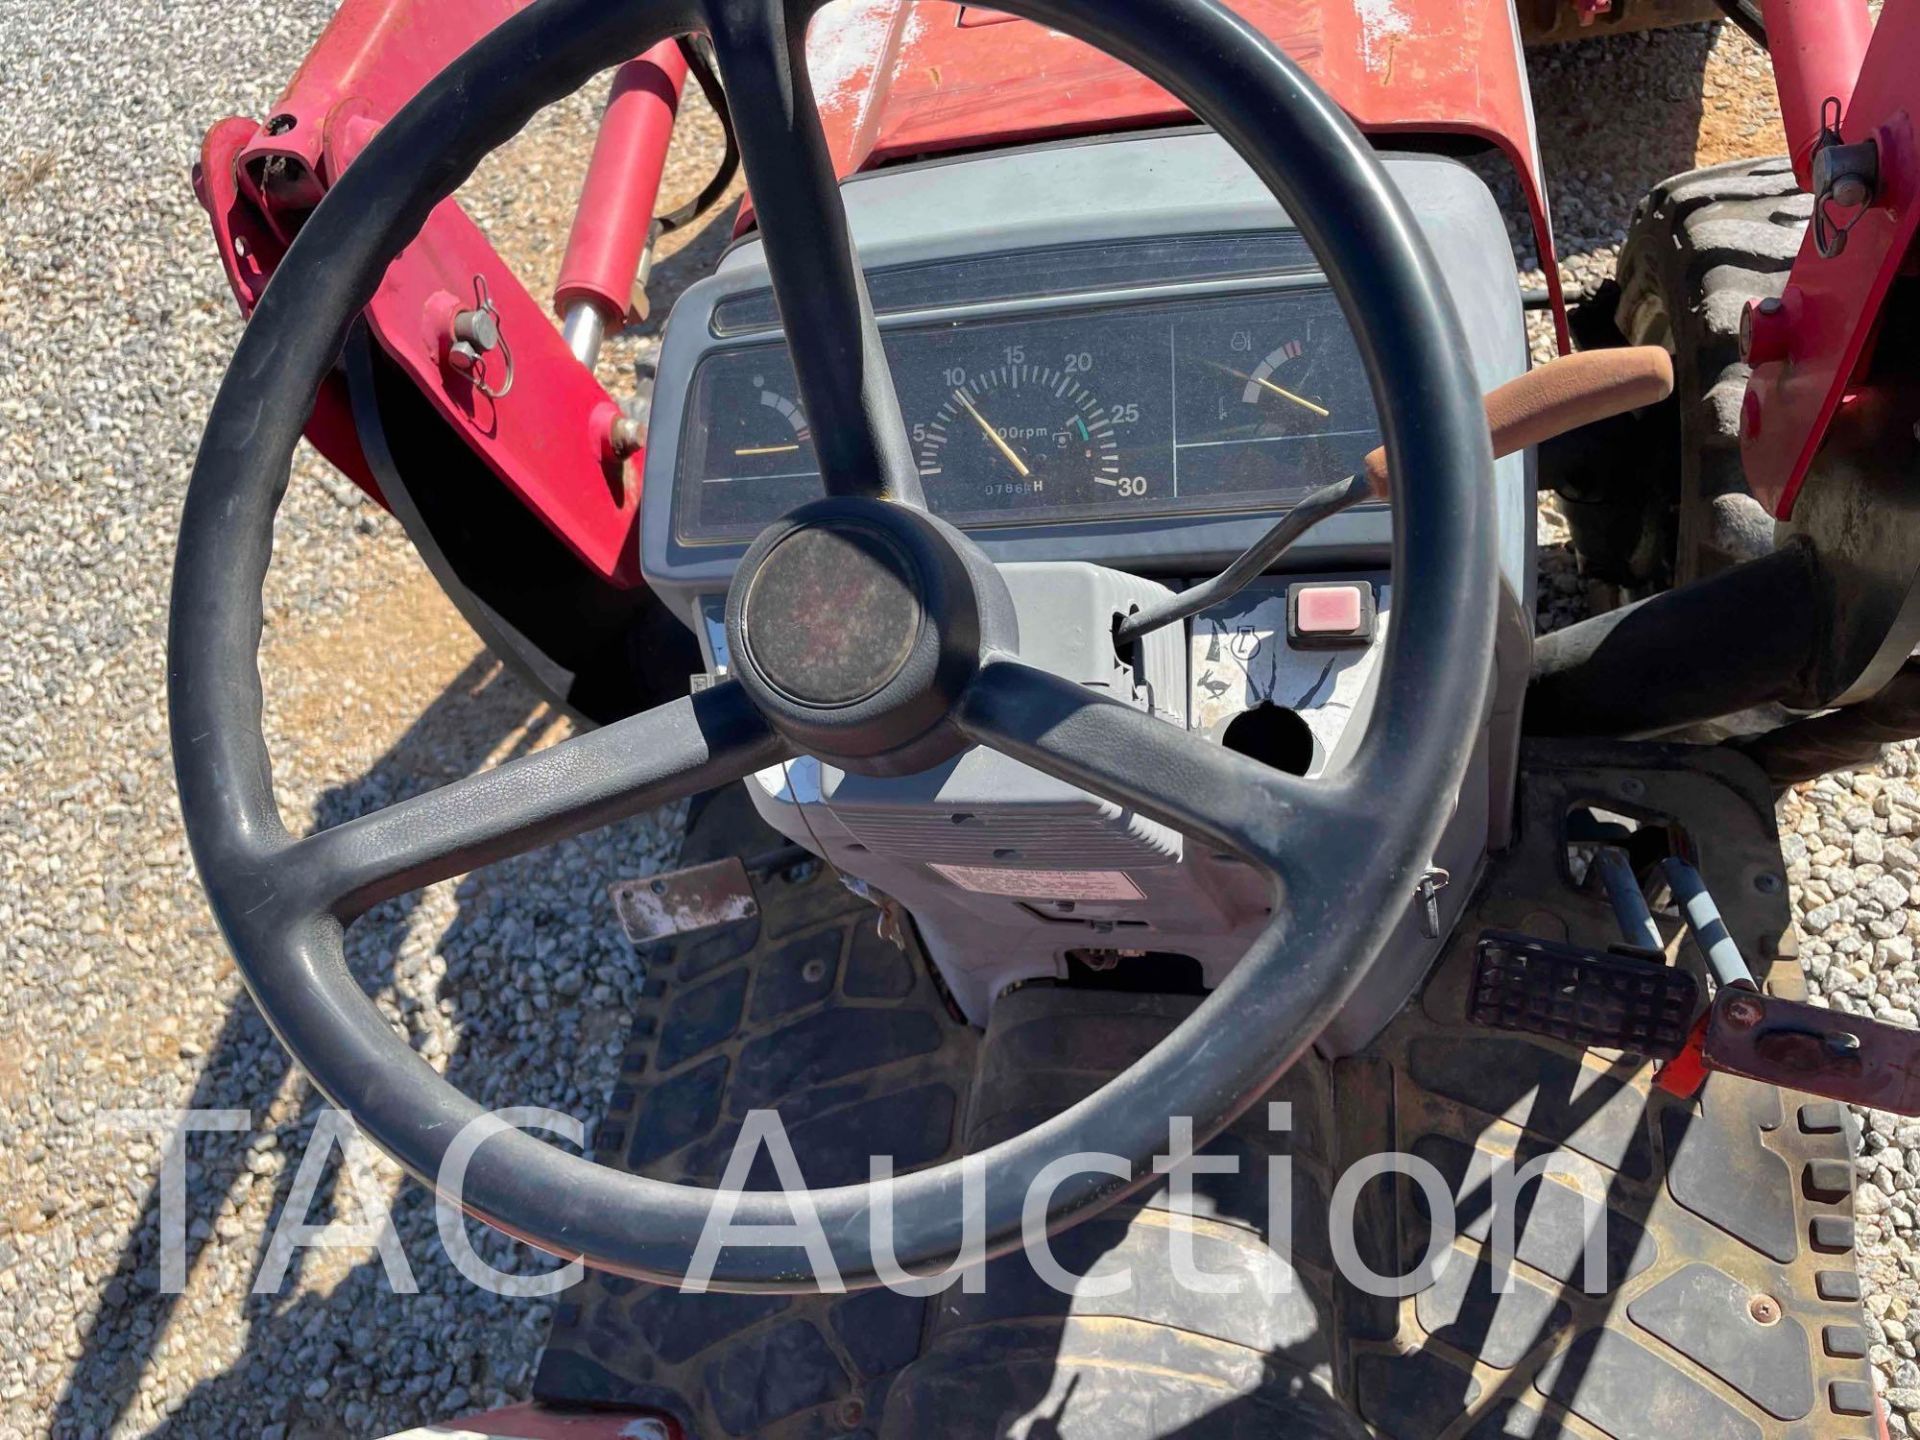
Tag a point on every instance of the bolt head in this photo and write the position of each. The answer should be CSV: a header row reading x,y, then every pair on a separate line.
x,y
1764,1309
1744,1011
627,435
1763,331
477,329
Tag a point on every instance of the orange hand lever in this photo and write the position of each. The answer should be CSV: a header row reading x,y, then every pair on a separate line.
x,y
1562,395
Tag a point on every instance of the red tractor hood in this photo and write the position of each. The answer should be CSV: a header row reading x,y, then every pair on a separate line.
x,y
900,79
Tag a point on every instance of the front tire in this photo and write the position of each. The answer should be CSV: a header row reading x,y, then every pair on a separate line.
x,y
1701,246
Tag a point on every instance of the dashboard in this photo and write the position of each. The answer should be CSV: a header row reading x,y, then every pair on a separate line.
x,y
1119,352
1136,409
1116,362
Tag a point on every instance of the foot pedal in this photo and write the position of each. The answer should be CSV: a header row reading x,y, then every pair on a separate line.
x,y
1584,997
1824,1052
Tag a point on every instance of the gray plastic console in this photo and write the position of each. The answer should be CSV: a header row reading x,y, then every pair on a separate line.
x,y
1006,872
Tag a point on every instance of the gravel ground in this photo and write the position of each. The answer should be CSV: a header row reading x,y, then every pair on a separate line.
x,y
114,329
118,994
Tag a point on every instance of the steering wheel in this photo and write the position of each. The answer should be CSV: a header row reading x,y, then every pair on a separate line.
x,y
863,630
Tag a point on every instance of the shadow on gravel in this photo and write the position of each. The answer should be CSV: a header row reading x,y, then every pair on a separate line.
x,y
1615,116
303,1350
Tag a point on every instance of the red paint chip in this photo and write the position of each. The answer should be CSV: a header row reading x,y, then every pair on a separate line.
x,y
1328,610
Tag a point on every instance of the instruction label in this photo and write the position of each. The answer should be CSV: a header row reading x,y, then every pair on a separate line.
x,y
1042,884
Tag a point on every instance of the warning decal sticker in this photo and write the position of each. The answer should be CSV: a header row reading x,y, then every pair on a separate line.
x,y
1042,884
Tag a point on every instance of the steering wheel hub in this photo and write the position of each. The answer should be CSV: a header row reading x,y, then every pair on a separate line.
x,y
832,614
856,626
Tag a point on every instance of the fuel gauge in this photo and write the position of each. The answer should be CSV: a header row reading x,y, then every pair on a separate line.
x,y
1272,406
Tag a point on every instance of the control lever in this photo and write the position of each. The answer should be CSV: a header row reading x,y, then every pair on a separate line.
x,y
1704,924
1549,400
1851,1058
1629,905
1789,1043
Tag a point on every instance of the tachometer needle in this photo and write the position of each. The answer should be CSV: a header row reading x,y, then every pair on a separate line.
x,y
768,450
1284,394
991,433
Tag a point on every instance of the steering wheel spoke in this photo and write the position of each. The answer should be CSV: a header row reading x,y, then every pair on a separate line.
x,y
1167,773
852,411
586,782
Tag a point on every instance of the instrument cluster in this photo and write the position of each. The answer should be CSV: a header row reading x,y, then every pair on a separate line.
x,y
1232,403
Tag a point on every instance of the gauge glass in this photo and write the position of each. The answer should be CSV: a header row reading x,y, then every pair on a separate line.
x,y
759,459
1158,408
1271,404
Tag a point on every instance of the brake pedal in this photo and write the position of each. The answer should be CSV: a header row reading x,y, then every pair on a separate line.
x,y
1584,997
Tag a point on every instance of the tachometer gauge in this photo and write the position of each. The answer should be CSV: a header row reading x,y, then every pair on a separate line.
x,y
1021,430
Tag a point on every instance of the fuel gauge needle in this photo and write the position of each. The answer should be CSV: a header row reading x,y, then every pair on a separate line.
x,y
1284,394
992,434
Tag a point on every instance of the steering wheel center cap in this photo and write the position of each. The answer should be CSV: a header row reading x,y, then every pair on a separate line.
x,y
856,626
832,614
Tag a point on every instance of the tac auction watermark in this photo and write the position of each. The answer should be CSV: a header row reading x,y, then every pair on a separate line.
x,y
796,1225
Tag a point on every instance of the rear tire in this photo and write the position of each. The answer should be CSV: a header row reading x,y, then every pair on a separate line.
x,y
1701,246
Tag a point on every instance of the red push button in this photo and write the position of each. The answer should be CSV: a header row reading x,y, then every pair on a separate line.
x,y
1329,616
1329,610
